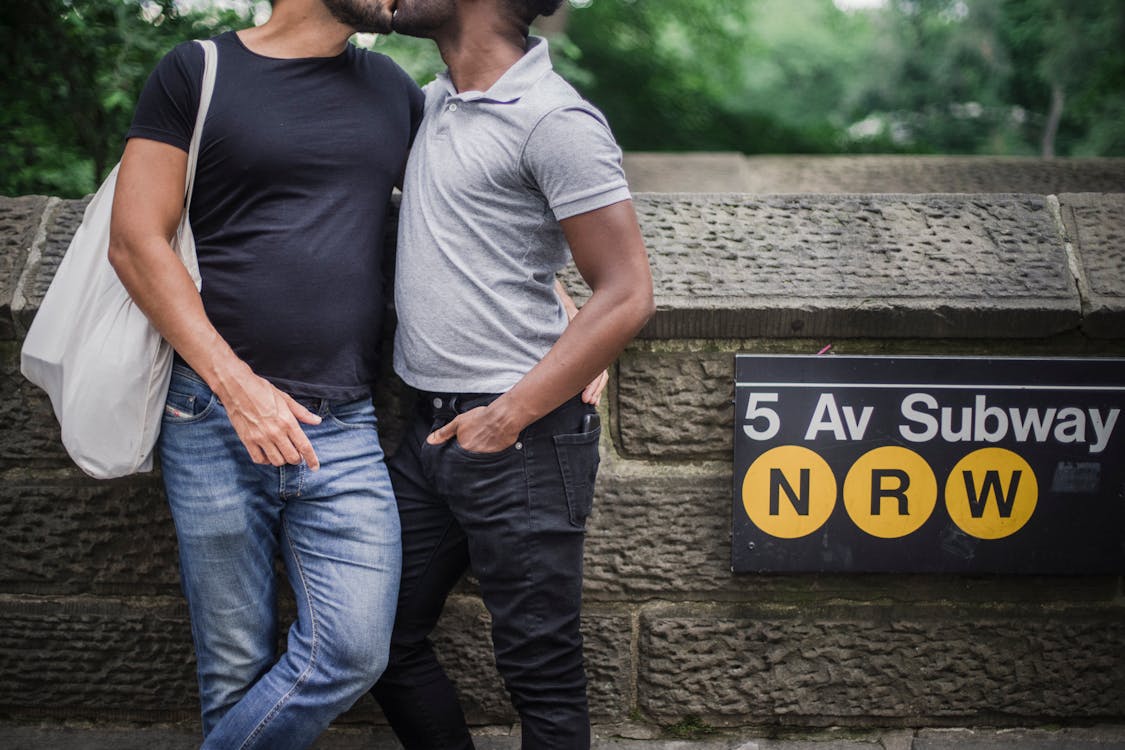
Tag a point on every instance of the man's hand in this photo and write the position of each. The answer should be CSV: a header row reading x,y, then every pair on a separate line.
x,y
484,429
267,421
592,393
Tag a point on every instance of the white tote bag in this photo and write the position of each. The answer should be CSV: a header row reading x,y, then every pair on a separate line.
x,y
91,348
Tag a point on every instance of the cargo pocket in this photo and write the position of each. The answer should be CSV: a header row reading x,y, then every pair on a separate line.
x,y
578,461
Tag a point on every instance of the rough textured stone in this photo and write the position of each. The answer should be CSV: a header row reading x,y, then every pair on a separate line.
x,y
885,266
715,172
64,532
1095,226
676,405
62,221
19,223
820,665
931,174
31,435
97,657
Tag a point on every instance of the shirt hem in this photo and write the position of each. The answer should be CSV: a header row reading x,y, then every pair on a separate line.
x,y
585,204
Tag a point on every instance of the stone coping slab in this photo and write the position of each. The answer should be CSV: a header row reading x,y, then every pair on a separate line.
x,y
857,265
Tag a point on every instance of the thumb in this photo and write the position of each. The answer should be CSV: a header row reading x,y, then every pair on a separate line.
x,y
442,434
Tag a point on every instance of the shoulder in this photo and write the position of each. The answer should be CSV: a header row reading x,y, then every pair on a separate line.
x,y
552,100
381,66
185,61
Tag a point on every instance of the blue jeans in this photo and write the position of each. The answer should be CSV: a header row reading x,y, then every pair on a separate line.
x,y
517,519
337,531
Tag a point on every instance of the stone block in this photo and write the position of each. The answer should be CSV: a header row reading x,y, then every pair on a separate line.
x,y
932,174
63,532
1095,226
19,223
675,405
821,665
97,658
658,535
847,266
61,222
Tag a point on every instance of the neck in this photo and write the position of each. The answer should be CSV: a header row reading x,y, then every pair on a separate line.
x,y
481,46
296,29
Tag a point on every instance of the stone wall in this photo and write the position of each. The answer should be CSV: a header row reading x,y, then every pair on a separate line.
x,y
92,625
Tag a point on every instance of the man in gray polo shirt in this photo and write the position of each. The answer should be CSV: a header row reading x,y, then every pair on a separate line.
x,y
511,175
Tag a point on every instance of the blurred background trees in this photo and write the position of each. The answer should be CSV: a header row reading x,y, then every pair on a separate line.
x,y
1006,77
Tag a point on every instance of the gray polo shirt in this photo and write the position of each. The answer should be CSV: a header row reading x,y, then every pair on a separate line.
x,y
490,176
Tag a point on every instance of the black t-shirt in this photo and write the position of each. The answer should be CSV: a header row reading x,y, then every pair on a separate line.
x,y
296,166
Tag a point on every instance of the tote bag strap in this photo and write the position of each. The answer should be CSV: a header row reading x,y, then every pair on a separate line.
x,y
185,240
210,65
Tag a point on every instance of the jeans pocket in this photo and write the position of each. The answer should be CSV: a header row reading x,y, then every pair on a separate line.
x,y
464,452
188,400
578,461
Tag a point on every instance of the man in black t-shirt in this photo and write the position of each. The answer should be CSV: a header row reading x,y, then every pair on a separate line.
x,y
268,444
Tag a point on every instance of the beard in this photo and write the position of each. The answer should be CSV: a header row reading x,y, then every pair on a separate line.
x,y
365,16
422,17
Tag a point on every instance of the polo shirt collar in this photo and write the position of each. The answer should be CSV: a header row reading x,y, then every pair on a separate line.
x,y
516,81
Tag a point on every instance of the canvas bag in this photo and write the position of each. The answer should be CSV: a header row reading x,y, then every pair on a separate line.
x,y
91,348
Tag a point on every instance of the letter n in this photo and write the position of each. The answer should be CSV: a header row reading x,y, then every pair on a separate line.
x,y
799,500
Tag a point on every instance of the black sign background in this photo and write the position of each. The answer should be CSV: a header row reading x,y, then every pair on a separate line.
x,y
1078,525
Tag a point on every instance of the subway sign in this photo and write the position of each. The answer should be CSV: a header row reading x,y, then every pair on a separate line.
x,y
929,464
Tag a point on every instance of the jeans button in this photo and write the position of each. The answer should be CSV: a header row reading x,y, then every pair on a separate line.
x,y
437,403
519,446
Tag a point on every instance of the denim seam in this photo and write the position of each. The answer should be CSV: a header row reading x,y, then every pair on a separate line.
x,y
528,564
315,647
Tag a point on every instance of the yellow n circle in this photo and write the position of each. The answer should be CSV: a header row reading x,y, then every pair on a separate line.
x,y
789,492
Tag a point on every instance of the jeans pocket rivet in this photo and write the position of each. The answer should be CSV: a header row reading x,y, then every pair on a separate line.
x,y
519,446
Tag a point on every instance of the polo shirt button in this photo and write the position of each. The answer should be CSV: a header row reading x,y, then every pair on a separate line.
x,y
452,107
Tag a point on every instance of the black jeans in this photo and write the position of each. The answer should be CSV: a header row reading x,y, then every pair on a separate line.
x,y
518,518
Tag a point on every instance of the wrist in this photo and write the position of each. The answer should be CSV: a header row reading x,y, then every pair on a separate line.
x,y
224,372
510,414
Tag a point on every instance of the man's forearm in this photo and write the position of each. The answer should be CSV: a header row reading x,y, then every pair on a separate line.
x,y
593,340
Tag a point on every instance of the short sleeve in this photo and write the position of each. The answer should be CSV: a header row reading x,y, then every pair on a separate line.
x,y
169,101
573,160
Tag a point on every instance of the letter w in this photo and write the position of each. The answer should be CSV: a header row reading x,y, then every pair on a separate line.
x,y
991,485
800,500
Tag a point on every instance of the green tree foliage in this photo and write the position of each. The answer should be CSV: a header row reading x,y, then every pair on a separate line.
x,y
73,70
918,76
998,76
758,76
682,75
